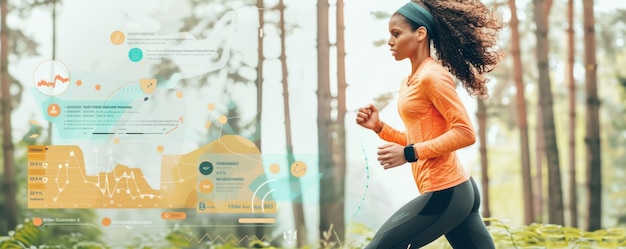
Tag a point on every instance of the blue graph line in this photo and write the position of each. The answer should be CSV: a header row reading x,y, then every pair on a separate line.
x,y
367,181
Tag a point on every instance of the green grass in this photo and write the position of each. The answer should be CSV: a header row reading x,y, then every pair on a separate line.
x,y
534,236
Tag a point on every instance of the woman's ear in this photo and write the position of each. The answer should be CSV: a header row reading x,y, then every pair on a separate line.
x,y
421,33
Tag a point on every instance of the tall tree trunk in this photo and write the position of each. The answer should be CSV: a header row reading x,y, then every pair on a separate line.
x,y
539,158
340,138
481,115
555,191
259,230
571,82
54,56
297,207
529,214
592,138
259,83
8,149
327,194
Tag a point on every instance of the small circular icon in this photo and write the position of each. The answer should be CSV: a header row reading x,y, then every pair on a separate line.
x,y
206,186
135,54
117,37
206,168
54,110
51,78
106,221
298,169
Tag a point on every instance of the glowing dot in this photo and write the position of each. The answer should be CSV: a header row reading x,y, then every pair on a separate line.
x,y
222,119
98,87
208,125
211,106
37,221
106,221
79,82
116,140
179,94
160,149
274,168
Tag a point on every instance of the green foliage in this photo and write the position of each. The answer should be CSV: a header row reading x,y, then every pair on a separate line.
x,y
554,236
24,235
28,235
546,236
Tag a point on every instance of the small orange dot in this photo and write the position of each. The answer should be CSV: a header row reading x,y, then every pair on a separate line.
x,y
208,125
106,221
274,168
211,107
116,140
160,148
79,82
98,87
37,221
222,119
179,94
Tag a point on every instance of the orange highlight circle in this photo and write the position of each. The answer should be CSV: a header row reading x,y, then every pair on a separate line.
x,y
37,221
54,110
116,140
106,221
208,125
274,168
211,106
79,82
98,87
160,148
179,94
298,169
117,37
206,186
222,119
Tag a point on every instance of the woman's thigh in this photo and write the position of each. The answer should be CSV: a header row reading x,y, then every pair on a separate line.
x,y
425,218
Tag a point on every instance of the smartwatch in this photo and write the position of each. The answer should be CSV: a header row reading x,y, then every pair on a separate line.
x,y
409,153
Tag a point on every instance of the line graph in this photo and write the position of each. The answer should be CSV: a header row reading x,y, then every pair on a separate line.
x,y
51,78
63,182
53,83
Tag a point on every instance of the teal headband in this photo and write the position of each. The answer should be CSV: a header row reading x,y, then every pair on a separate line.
x,y
417,14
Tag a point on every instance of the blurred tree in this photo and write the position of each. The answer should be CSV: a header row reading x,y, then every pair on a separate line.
x,y
327,195
481,115
8,149
555,211
571,83
592,137
529,214
297,207
339,133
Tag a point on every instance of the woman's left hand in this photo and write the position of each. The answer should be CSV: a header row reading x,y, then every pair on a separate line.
x,y
391,155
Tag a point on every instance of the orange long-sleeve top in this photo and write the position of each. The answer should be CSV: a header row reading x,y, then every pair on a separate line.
x,y
436,122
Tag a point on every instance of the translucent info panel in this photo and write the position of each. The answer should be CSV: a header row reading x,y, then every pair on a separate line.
x,y
154,112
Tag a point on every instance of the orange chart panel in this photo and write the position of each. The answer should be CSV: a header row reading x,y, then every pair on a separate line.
x,y
57,178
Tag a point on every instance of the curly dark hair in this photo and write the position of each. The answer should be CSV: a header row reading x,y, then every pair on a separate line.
x,y
464,39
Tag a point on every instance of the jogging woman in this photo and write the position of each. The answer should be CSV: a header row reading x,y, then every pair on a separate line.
x,y
463,34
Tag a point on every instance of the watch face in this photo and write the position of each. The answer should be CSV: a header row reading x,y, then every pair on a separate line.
x,y
409,153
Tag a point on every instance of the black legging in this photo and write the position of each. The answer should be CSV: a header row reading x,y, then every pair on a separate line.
x,y
452,212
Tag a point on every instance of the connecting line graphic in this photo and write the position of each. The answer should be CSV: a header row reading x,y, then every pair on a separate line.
x,y
367,181
208,237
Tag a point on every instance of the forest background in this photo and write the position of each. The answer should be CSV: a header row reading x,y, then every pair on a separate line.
x,y
552,134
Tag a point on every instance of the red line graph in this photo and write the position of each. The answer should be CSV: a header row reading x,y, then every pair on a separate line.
x,y
52,83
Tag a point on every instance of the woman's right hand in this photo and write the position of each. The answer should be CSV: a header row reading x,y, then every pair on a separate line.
x,y
367,117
